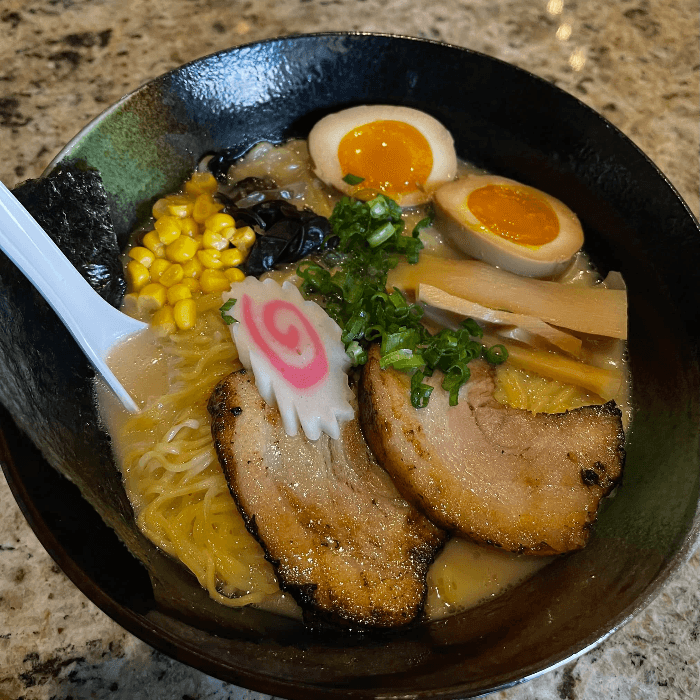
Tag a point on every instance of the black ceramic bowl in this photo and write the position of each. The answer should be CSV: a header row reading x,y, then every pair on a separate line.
x,y
502,119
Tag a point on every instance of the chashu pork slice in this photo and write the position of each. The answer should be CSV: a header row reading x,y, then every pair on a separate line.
x,y
342,540
497,475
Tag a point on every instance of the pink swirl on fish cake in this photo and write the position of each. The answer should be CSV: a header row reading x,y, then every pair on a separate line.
x,y
305,376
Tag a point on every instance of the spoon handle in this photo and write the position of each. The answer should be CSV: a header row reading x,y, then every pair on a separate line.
x,y
94,323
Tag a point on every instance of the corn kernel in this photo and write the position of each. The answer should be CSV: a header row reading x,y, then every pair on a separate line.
x,y
142,255
243,238
137,275
180,211
182,249
192,283
216,222
185,313
214,281
180,205
231,257
189,226
210,258
151,241
177,292
160,208
201,183
152,297
158,267
204,206
233,274
214,240
163,321
172,275
192,268
130,304
228,232
168,228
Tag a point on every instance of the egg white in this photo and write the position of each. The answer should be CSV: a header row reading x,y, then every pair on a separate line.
x,y
327,134
469,235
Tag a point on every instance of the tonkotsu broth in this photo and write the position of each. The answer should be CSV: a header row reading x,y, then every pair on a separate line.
x,y
172,383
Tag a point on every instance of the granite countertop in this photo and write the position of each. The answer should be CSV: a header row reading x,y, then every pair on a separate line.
x,y
62,62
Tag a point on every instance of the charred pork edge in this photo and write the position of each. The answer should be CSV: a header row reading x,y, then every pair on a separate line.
x,y
368,416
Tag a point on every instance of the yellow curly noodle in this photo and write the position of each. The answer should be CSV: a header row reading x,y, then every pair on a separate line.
x,y
520,389
178,490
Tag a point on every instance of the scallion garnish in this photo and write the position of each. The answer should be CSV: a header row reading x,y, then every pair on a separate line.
x,y
496,355
420,391
352,278
357,353
381,234
227,306
351,179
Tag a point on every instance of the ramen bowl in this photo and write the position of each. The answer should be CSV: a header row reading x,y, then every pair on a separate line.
x,y
503,119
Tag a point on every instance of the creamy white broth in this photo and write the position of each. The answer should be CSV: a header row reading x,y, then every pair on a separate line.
x,y
463,574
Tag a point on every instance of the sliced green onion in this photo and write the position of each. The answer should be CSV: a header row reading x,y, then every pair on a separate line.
x,y
381,235
475,330
413,362
382,297
398,299
351,179
351,279
373,333
496,354
423,223
454,380
357,353
402,359
227,306
406,339
378,207
420,392
355,327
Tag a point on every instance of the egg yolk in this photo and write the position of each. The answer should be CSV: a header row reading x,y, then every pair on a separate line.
x,y
516,214
392,156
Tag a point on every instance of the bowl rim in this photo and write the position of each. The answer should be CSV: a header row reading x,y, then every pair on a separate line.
x,y
153,634
70,146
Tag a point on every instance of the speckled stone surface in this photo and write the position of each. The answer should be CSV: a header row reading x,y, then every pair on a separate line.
x,y
64,61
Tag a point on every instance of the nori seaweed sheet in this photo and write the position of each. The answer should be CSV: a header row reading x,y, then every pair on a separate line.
x,y
71,206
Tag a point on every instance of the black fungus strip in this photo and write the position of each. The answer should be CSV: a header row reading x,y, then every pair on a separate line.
x,y
284,234
290,237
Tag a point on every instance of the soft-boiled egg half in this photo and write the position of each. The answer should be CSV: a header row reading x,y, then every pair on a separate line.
x,y
509,225
397,151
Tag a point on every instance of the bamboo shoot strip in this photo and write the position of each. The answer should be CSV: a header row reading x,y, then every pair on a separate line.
x,y
594,310
604,382
433,296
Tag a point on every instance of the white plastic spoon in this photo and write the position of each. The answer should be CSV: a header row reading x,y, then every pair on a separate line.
x,y
94,323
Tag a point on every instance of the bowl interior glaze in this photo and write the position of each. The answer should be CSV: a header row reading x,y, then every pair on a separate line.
x,y
503,119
